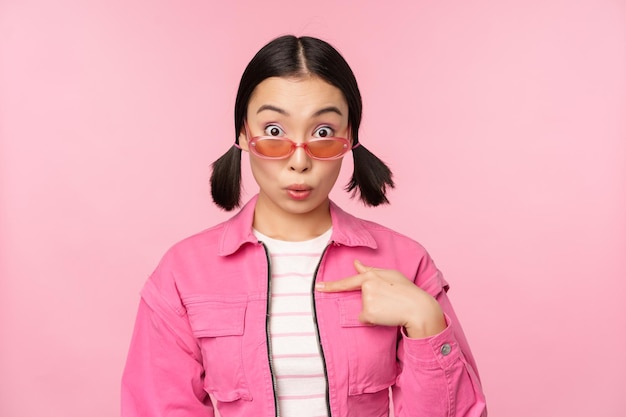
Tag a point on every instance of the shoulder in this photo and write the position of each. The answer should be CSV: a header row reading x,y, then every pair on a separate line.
x,y
185,264
199,241
378,235
391,249
206,247
384,231
395,244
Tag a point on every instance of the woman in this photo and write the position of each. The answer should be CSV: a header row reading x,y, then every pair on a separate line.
x,y
294,307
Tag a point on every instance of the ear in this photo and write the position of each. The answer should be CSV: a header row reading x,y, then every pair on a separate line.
x,y
243,140
349,135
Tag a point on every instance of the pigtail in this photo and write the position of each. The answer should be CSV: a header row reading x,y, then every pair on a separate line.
x,y
226,179
371,177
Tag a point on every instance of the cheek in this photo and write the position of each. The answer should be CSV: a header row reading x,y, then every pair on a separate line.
x,y
256,168
331,172
264,169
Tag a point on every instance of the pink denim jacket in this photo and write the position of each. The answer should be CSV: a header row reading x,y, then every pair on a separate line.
x,y
201,329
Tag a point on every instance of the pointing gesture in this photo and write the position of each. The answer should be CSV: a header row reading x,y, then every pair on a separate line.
x,y
390,299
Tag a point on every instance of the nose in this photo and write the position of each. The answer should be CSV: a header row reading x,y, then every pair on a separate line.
x,y
299,161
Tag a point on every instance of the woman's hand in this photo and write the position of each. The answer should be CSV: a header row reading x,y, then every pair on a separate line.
x,y
390,299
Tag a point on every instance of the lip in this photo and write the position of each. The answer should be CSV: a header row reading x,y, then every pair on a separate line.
x,y
299,187
298,191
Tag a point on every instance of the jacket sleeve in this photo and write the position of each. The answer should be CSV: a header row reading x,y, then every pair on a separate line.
x,y
164,373
438,375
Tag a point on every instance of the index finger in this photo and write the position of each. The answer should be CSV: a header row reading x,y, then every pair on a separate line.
x,y
352,283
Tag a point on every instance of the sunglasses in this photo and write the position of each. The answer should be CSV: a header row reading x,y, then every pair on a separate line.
x,y
274,147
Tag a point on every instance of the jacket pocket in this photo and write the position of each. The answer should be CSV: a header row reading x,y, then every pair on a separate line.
x,y
371,350
219,327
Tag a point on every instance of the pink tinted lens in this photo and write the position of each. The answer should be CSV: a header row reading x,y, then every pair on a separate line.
x,y
327,148
272,148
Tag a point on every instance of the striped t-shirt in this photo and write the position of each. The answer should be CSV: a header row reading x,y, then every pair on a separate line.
x,y
296,360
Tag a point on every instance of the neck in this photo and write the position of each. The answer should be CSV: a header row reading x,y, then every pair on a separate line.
x,y
290,226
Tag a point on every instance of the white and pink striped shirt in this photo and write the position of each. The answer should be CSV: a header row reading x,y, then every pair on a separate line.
x,y
296,359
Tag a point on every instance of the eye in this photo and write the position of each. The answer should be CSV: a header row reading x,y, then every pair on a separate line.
x,y
324,132
273,130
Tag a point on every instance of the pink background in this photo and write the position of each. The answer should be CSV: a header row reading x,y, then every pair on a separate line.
x,y
504,123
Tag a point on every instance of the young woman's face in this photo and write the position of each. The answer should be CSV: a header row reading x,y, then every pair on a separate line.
x,y
299,109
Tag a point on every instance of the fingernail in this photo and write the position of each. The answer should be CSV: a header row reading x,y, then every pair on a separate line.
x,y
319,285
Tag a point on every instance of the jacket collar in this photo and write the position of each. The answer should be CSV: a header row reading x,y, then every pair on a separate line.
x,y
347,229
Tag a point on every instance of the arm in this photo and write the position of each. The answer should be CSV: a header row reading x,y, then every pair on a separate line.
x,y
164,373
437,375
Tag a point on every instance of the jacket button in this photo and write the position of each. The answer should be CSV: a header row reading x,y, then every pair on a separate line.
x,y
446,349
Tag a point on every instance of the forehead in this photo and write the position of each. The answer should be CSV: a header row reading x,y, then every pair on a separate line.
x,y
298,96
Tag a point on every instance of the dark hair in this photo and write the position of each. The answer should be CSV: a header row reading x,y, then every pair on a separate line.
x,y
289,56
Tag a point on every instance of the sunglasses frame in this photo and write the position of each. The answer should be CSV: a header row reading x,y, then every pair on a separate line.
x,y
304,145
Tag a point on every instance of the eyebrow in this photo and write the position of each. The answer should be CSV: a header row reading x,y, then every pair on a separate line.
x,y
272,108
329,109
